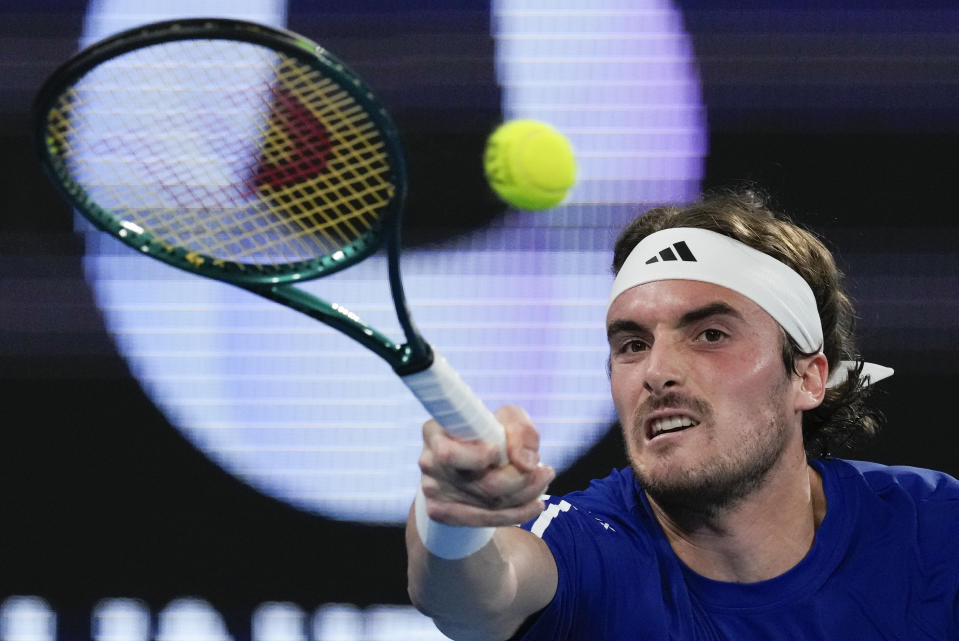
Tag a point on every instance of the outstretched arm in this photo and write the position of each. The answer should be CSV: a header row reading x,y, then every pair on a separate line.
x,y
489,593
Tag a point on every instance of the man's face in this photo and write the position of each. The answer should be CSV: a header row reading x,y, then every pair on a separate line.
x,y
698,381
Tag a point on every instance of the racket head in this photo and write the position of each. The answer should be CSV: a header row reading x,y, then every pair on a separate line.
x,y
242,152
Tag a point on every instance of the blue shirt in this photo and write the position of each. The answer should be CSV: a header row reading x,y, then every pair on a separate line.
x,y
884,565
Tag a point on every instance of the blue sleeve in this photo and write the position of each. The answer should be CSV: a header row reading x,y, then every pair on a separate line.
x,y
597,545
559,531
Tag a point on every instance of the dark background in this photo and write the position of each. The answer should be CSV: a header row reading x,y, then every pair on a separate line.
x,y
847,112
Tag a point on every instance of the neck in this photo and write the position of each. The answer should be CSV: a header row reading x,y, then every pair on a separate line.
x,y
757,538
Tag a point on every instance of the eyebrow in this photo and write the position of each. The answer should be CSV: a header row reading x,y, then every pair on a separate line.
x,y
717,308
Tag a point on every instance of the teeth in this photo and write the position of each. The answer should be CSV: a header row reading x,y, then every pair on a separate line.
x,y
669,423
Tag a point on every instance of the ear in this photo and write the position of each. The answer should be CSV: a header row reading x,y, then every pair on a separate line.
x,y
813,372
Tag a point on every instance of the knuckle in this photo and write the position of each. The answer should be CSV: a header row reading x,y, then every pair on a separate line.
x,y
430,490
489,454
430,428
492,500
425,462
480,496
512,415
445,453
437,511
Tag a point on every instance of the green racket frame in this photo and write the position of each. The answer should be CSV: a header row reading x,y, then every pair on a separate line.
x,y
272,281
428,376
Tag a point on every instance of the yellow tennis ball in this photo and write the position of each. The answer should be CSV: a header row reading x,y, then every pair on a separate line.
x,y
529,164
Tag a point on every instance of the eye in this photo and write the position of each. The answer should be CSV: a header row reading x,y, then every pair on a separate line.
x,y
712,335
633,346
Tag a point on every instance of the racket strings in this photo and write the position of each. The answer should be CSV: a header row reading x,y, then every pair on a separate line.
x,y
226,149
351,192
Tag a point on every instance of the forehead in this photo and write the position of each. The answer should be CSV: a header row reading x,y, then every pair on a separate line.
x,y
665,301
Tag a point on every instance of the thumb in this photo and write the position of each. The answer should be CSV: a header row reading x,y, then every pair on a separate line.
x,y
522,438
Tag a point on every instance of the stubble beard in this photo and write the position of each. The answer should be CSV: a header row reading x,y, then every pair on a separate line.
x,y
698,493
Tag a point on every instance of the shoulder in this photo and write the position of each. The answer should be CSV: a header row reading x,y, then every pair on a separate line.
x,y
920,484
615,491
608,506
909,517
605,553
915,507
613,495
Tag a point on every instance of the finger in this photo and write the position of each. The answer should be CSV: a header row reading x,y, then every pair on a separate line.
x,y
508,486
522,437
442,450
502,488
453,513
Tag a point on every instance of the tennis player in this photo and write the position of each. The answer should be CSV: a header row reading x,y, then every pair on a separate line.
x,y
734,376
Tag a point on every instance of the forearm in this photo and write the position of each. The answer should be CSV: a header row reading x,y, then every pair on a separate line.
x,y
477,575
460,595
480,597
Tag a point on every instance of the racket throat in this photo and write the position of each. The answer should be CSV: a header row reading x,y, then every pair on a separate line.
x,y
339,318
417,355
414,359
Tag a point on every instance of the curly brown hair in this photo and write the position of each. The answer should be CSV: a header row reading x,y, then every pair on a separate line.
x,y
843,419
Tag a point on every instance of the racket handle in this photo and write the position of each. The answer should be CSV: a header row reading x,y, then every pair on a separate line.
x,y
454,405
464,416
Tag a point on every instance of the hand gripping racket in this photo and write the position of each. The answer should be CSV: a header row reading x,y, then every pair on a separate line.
x,y
250,155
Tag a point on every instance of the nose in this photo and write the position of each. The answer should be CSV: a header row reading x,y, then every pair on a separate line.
x,y
663,368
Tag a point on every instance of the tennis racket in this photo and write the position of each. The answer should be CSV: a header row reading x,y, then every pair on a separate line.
x,y
253,156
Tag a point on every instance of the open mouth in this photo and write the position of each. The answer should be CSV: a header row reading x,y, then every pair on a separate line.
x,y
669,425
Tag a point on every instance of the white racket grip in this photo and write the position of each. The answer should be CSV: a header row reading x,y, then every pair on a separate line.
x,y
463,415
453,404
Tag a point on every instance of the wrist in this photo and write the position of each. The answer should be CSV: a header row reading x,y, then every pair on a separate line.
x,y
448,541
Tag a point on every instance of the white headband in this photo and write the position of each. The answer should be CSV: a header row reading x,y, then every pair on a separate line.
x,y
684,253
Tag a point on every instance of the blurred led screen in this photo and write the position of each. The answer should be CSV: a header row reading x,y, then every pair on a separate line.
x,y
122,527
301,413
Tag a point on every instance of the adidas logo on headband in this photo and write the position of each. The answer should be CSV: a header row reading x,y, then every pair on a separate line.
x,y
667,254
